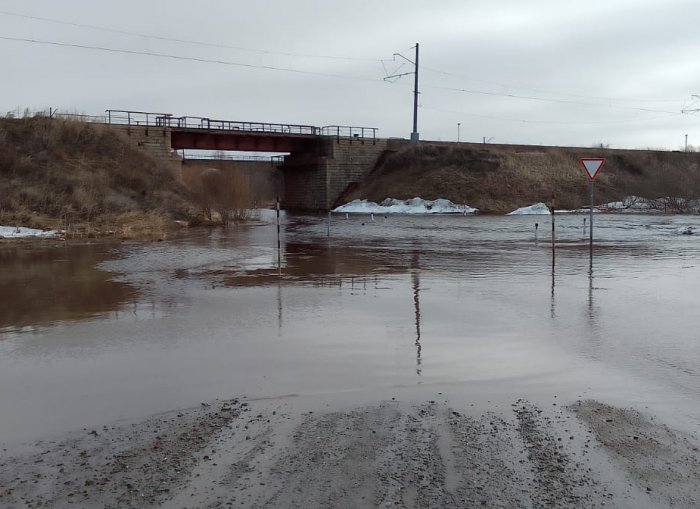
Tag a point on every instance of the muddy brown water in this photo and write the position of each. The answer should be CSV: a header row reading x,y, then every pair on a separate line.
x,y
93,333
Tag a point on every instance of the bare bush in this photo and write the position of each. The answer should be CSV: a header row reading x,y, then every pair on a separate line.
x,y
226,192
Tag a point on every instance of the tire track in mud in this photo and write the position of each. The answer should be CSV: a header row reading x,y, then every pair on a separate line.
x,y
488,462
559,480
663,462
137,465
372,457
396,454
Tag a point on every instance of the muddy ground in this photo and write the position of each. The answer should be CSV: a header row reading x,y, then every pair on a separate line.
x,y
394,454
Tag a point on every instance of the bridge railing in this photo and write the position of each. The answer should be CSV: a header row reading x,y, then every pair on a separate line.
x,y
142,118
223,156
346,131
136,118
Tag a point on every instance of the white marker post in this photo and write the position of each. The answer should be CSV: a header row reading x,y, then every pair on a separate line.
x,y
592,165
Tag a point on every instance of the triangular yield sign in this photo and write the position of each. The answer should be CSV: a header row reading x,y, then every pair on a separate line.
x,y
592,165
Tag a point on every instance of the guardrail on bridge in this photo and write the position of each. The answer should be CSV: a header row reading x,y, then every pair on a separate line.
x,y
148,119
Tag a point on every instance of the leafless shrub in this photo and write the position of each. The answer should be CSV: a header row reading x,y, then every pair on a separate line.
x,y
227,192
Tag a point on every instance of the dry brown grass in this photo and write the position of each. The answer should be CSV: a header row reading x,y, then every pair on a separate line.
x,y
63,173
498,179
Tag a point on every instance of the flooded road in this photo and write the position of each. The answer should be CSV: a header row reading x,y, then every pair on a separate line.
x,y
475,307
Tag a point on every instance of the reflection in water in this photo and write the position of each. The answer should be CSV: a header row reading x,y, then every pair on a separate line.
x,y
279,305
415,278
331,331
46,284
552,306
591,313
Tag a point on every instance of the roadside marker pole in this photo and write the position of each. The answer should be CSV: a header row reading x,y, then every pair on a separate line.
x,y
554,239
592,165
279,245
590,212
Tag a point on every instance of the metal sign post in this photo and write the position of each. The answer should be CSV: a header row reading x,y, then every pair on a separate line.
x,y
592,165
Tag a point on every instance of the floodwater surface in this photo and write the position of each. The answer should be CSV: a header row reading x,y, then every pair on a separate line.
x,y
478,306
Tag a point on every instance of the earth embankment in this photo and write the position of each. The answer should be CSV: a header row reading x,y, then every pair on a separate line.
x,y
501,178
68,174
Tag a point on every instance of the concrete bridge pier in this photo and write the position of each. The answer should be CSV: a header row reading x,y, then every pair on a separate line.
x,y
315,183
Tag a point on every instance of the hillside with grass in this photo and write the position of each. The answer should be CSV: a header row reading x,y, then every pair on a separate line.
x,y
81,177
501,178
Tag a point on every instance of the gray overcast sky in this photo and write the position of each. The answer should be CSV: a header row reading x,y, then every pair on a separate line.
x,y
554,72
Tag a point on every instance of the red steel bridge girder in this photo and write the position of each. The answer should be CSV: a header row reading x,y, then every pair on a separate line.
x,y
240,141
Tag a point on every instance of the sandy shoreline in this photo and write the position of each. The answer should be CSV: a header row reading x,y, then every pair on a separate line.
x,y
392,454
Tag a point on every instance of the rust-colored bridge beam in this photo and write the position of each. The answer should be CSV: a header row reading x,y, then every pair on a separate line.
x,y
246,141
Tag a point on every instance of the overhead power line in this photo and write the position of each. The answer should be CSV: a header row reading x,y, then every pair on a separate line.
x,y
318,56
550,92
183,41
191,59
172,56
544,99
550,122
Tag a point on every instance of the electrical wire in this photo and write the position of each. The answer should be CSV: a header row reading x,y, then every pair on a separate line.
x,y
183,41
550,92
191,59
318,73
550,122
544,99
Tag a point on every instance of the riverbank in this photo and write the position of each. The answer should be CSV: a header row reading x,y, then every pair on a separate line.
x,y
86,180
408,453
501,178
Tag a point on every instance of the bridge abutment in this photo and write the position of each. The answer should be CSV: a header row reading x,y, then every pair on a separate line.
x,y
155,142
316,182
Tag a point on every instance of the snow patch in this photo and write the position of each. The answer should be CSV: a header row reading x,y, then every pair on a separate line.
x,y
16,232
536,209
412,206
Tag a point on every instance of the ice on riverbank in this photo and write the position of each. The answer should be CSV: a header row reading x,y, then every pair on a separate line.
x,y
17,232
639,205
412,206
536,209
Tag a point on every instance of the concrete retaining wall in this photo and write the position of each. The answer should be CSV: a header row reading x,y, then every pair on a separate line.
x,y
315,183
154,141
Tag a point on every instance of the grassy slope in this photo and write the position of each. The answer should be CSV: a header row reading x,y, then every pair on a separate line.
x,y
57,169
498,178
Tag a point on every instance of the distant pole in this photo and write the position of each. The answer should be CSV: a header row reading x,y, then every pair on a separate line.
x,y
458,126
554,238
686,143
414,134
279,245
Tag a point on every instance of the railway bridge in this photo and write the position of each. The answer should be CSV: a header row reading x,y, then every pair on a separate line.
x,y
318,166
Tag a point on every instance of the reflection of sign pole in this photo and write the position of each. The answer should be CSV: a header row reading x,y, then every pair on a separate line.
x,y
592,165
554,243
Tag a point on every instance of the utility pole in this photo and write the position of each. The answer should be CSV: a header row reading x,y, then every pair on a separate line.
x,y
459,124
414,133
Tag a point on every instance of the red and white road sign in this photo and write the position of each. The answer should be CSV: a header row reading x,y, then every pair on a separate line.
x,y
592,165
